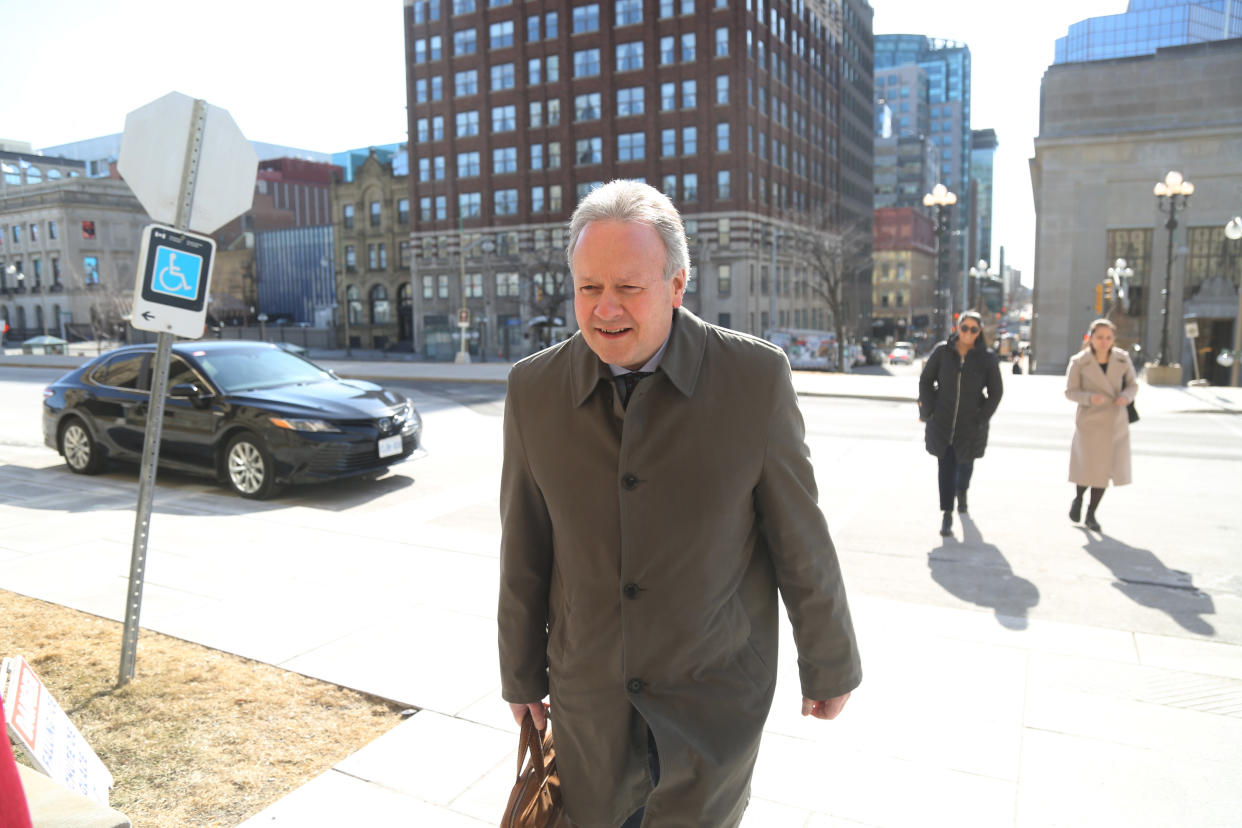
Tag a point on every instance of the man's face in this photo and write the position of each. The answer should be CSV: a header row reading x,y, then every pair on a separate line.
x,y
623,304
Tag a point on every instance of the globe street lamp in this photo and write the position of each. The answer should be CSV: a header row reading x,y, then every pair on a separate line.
x,y
942,199
1119,274
1233,232
977,273
1171,194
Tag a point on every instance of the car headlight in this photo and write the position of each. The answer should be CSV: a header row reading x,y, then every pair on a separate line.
x,y
302,425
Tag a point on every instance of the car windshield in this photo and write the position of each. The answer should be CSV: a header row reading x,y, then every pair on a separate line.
x,y
249,369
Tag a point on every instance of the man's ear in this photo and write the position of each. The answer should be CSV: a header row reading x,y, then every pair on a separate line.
x,y
679,287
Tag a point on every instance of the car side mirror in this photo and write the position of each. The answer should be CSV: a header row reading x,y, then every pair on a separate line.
x,y
190,391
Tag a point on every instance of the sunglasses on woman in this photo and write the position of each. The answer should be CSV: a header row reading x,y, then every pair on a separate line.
x,y
969,329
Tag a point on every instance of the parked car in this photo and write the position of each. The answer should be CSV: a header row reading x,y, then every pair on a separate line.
x,y
250,414
902,356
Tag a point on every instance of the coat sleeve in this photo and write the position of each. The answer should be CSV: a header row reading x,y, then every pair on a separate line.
x,y
996,388
525,568
927,385
1073,383
808,573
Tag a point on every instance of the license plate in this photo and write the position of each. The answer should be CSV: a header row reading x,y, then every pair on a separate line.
x,y
390,446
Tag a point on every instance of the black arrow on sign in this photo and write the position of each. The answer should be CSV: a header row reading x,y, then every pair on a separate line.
x,y
147,315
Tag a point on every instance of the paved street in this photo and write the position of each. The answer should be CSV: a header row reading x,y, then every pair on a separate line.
x,y
1025,672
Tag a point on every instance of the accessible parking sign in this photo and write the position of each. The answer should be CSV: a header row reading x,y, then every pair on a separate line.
x,y
174,272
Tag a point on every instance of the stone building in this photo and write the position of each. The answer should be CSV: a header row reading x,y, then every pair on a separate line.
x,y
1109,131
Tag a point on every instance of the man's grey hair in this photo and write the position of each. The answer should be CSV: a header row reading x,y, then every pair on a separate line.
x,y
622,200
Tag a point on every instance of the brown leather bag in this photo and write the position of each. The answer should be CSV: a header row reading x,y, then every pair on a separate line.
x,y
535,801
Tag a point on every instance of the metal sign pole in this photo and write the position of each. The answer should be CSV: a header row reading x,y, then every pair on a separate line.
x,y
155,419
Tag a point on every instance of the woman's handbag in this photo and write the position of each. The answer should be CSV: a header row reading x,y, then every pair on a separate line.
x,y
1131,412
535,801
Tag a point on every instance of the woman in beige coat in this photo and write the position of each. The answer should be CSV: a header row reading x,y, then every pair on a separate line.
x,y
1101,380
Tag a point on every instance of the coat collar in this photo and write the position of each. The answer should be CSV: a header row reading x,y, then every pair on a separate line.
x,y
680,364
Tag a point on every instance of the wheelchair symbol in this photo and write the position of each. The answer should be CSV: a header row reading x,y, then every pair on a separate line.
x,y
172,272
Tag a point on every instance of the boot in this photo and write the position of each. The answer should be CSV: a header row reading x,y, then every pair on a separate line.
x,y
961,500
1091,523
946,525
1076,509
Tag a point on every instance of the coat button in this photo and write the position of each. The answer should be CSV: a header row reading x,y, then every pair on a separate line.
x,y
634,685
630,590
629,481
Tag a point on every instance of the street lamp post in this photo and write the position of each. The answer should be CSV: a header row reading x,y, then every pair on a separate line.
x,y
463,315
1119,274
1233,232
942,199
978,273
1171,194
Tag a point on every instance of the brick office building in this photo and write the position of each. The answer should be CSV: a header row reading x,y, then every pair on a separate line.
x,y
731,107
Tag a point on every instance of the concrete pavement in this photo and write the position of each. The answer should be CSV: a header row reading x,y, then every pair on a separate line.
x,y
975,710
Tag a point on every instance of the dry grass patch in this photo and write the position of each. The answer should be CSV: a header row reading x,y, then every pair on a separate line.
x,y
199,737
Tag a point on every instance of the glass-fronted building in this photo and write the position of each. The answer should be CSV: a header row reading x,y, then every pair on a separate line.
x,y
1148,25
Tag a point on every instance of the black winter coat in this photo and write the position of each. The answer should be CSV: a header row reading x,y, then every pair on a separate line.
x,y
952,400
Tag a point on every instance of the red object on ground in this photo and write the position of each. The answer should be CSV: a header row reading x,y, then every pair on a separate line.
x,y
13,810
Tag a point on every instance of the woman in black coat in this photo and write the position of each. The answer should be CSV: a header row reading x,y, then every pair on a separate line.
x,y
959,390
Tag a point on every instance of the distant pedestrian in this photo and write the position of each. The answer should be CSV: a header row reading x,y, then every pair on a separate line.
x,y
1101,380
959,390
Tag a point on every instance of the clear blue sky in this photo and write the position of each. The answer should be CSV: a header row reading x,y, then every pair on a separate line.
x,y
329,76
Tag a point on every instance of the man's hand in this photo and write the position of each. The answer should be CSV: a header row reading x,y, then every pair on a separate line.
x,y
826,708
536,712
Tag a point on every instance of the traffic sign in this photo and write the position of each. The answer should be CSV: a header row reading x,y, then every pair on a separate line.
x,y
170,290
174,136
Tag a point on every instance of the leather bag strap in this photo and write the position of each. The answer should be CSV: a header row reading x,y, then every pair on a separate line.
x,y
531,740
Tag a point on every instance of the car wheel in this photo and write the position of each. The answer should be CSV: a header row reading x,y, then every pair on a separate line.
x,y
248,467
79,449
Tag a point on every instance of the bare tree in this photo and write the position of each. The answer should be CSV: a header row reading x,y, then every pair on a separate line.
x,y
546,285
838,263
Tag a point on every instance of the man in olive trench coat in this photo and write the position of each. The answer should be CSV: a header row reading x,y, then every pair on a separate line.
x,y
643,544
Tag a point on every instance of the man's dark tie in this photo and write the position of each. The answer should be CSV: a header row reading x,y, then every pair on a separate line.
x,y
628,382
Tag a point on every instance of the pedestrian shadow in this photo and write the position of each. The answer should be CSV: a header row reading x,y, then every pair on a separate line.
x,y
1146,581
975,571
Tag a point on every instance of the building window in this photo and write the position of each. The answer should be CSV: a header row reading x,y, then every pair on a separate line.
x,y
506,202
375,214
347,217
504,118
466,83
552,65
586,63
536,114
441,208
424,208
629,12
474,285
554,155
550,30
723,235
442,286
383,256
403,210
534,72
629,56
668,96
504,160
724,280
668,50
668,186
722,89
465,42
689,94
666,9
351,259
537,204
668,146
689,140
467,123
590,150
586,19
438,165
722,42
631,146
723,189
501,34
380,310
470,205
722,136
532,29
687,47
429,287
463,7
536,156
424,169
586,107
504,76
630,101
690,187
554,198
508,284
52,232
467,164
404,252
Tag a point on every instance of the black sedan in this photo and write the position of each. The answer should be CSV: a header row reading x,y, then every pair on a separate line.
x,y
248,413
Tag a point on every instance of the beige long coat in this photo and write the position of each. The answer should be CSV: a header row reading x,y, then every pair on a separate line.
x,y
1101,447
641,554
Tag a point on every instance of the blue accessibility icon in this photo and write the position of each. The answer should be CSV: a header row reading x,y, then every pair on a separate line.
x,y
177,273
